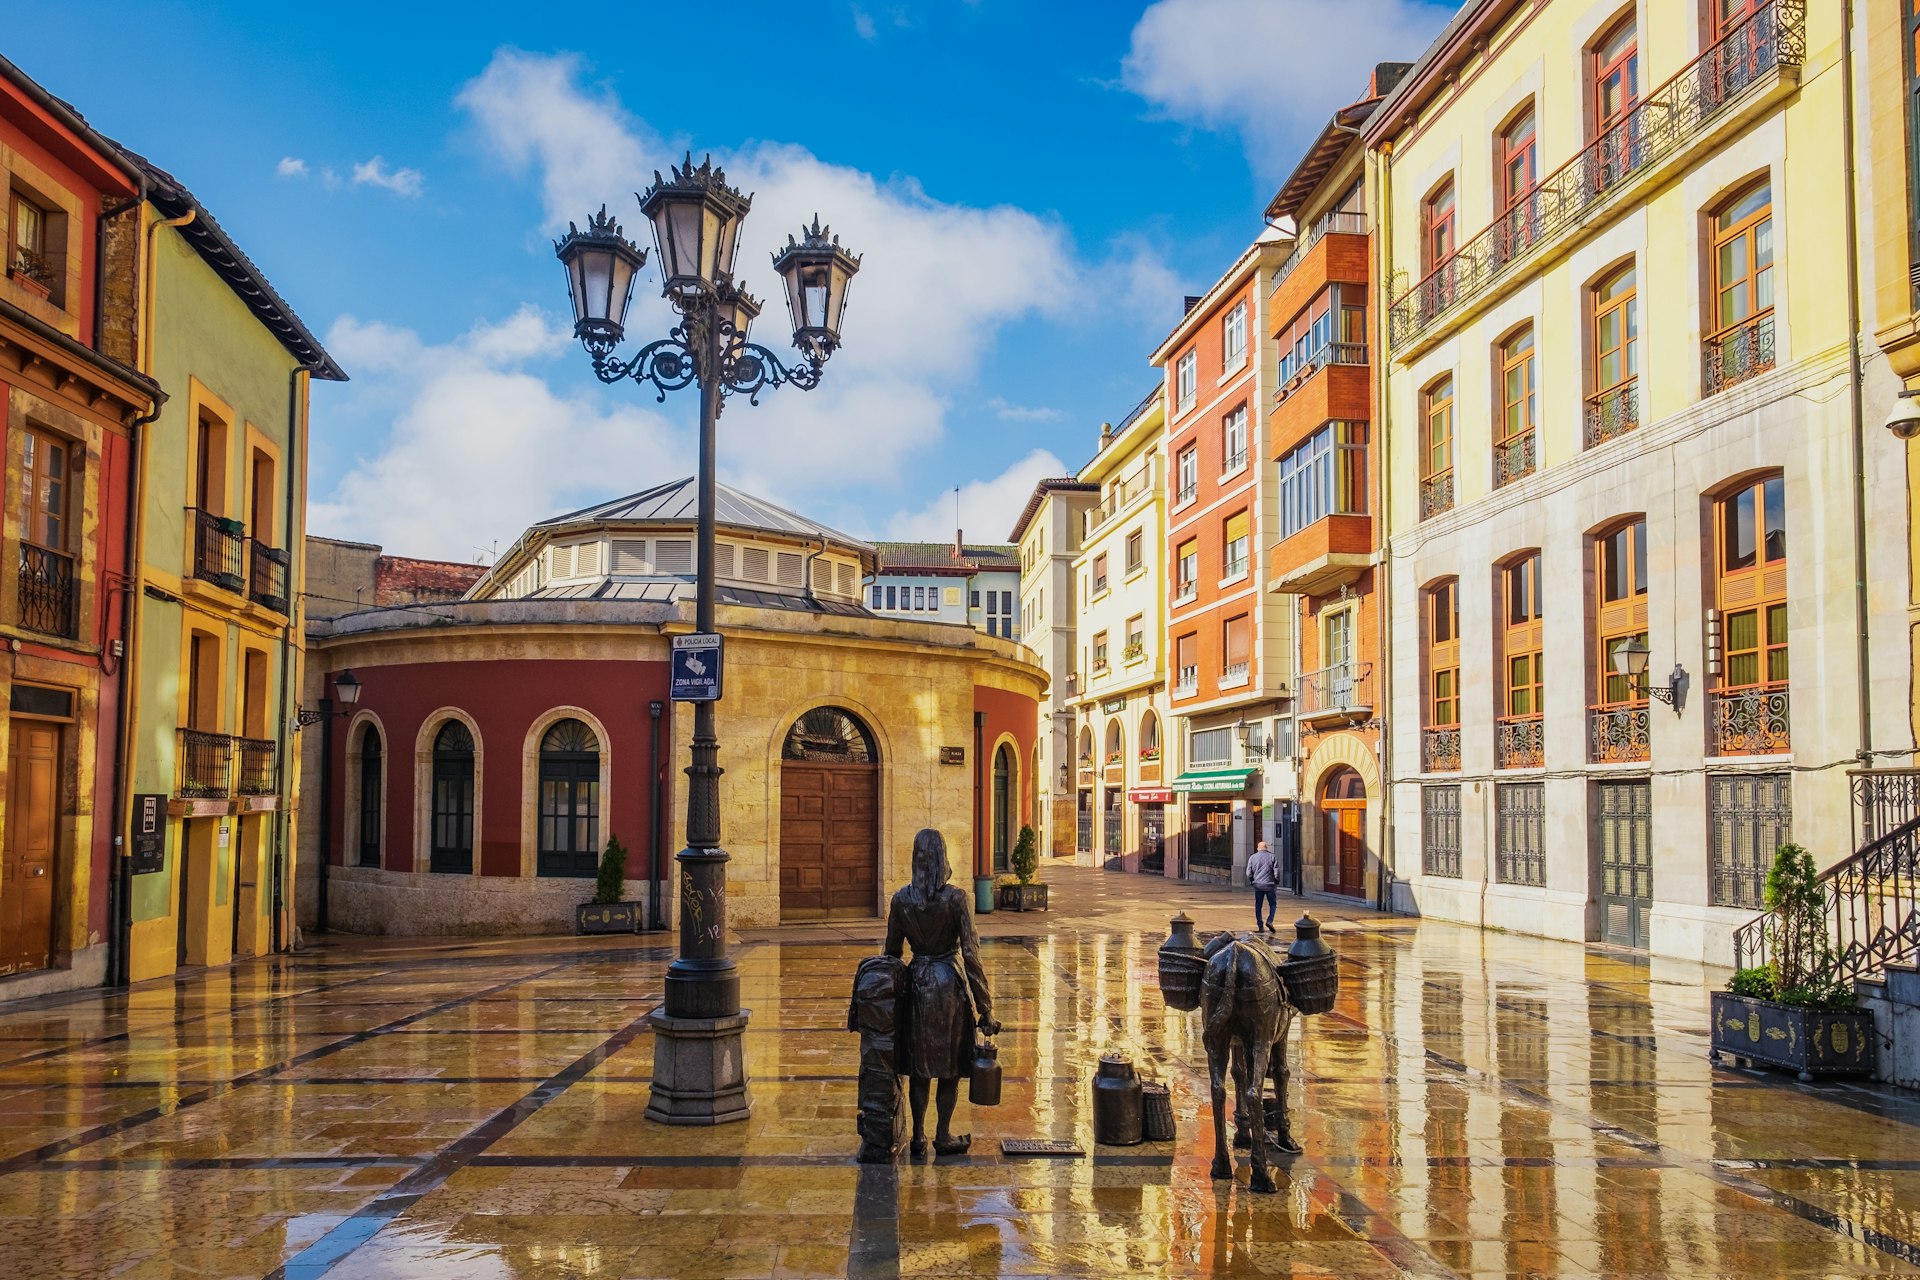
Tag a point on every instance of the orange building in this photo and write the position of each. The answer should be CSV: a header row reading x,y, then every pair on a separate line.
x,y
1229,641
1324,559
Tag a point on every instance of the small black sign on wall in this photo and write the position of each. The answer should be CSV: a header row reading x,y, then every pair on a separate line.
x,y
953,755
149,833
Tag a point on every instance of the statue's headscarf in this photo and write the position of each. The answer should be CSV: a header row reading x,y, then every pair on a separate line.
x,y
930,870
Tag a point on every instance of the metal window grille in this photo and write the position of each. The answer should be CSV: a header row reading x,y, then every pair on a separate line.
x,y
1440,831
1749,816
1520,821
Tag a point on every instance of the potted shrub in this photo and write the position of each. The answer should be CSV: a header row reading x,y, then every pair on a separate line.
x,y
1024,894
606,911
1792,1012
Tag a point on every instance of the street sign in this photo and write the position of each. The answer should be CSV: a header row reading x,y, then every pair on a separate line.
x,y
696,669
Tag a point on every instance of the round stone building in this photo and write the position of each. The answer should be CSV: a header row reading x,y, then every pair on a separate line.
x,y
499,740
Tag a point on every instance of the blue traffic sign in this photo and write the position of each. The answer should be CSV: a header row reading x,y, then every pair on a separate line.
x,y
696,669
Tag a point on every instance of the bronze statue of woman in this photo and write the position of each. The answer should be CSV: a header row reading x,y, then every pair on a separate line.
x,y
937,920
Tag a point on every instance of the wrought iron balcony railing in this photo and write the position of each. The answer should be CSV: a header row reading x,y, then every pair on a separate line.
x,y
46,591
1335,223
1871,905
206,764
219,550
1520,742
1613,412
258,774
1235,461
1749,721
1436,494
1440,748
1345,688
1186,494
1618,732
1665,123
267,577
1235,673
1187,683
1294,372
1736,355
1882,800
1124,491
1514,459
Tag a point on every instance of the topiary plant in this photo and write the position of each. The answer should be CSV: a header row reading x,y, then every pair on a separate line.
x,y
611,883
1026,855
1797,934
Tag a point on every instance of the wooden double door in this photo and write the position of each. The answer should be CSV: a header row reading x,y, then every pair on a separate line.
x,y
27,863
1343,801
829,840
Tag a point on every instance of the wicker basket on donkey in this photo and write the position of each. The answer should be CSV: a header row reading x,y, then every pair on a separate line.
x,y
1312,983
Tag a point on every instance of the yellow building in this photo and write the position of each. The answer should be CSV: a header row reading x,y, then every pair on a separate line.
x,y
1119,701
1047,535
1621,427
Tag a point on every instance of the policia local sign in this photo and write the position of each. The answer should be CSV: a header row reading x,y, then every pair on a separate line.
x,y
696,668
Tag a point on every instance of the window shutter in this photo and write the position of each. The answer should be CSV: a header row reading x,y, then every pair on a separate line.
x,y
753,564
630,556
673,555
844,574
790,566
1236,527
723,560
587,559
562,563
1238,633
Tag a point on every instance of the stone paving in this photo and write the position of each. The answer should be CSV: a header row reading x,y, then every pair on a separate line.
x,y
1477,1105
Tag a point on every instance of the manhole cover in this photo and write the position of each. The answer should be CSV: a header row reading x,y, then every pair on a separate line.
x,y
1039,1147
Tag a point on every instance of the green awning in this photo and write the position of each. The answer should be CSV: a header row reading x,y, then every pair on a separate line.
x,y
1212,781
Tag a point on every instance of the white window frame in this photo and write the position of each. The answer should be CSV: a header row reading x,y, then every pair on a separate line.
x,y
1233,340
1186,381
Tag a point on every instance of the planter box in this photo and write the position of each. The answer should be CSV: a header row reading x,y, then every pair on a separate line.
x,y
610,917
1023,897
1810,1041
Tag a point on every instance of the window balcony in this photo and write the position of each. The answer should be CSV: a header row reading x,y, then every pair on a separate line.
x,y
46,591
1234,568
1613,412
1343,691
1749,721
1440,748
219,550
1514,459
1186,494
267,577
1617,733
206,765
1235,461
1436,494
1337,222
1187,683
1124,492
1236,674
258,774
1134,652
1099,663
1185,591
1520,742
1294,373
1749,67
1731,358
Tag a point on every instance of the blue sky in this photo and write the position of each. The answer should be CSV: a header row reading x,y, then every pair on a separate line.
x,y
1034,186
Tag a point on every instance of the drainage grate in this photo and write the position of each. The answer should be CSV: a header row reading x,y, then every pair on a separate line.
x,y
1039,1147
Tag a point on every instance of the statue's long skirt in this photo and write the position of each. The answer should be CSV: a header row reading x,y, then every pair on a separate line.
x,y
939,1039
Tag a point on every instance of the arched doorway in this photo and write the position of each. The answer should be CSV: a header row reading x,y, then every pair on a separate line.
x,y
1343,806
829,818
1005,780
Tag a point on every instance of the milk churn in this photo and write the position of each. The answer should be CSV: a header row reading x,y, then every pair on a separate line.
x,y
1118,1103
983,1081
1181,965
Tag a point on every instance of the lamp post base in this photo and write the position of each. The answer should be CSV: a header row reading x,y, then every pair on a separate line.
x,y
699,1070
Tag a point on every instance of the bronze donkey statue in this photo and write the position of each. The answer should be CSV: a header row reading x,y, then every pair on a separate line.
x,y
1245,1017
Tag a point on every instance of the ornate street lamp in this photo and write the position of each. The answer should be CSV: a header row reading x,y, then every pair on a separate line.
x,y
1630,660
699,1072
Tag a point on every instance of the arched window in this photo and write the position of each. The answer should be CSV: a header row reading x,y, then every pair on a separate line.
x,y
1004,771
1514,452
370,775
1115,744
1616,85
1519,174
1438,235
1739,344
830,736
1620,605
1086,747
1436,453
451,848
1749,713
1614,406
1441,735
569,801
1518,736
1149,738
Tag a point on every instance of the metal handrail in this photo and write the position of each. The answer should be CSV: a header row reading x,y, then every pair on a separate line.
x,y
219,549
1872,909
1440,748
206,764
1340,687
1520,742
1334,222
1664,123
1613,412
1749,720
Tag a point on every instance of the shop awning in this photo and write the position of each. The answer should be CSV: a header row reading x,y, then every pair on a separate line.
x,y
1212,781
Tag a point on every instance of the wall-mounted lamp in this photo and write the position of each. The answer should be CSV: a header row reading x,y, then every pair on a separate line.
x,y
1065,780
346,686
1250,747
1630,660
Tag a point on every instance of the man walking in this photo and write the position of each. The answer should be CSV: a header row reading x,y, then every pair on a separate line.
x,y
1263,872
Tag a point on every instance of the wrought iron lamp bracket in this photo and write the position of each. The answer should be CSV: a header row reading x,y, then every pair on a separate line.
x,y
1673,693
675,362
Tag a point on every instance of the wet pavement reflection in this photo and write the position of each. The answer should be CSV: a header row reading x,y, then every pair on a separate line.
x,y
1476,1105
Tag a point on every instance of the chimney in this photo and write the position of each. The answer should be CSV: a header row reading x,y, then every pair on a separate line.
x,y
959,544
1106,434
1193,300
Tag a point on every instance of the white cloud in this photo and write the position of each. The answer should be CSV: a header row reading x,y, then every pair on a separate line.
x,y
863,23
480,446
291,167
374,173
988,508
1022,412
1272,69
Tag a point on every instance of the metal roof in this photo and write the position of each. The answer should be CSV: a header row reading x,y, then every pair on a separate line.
x,y
678,502
658,592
